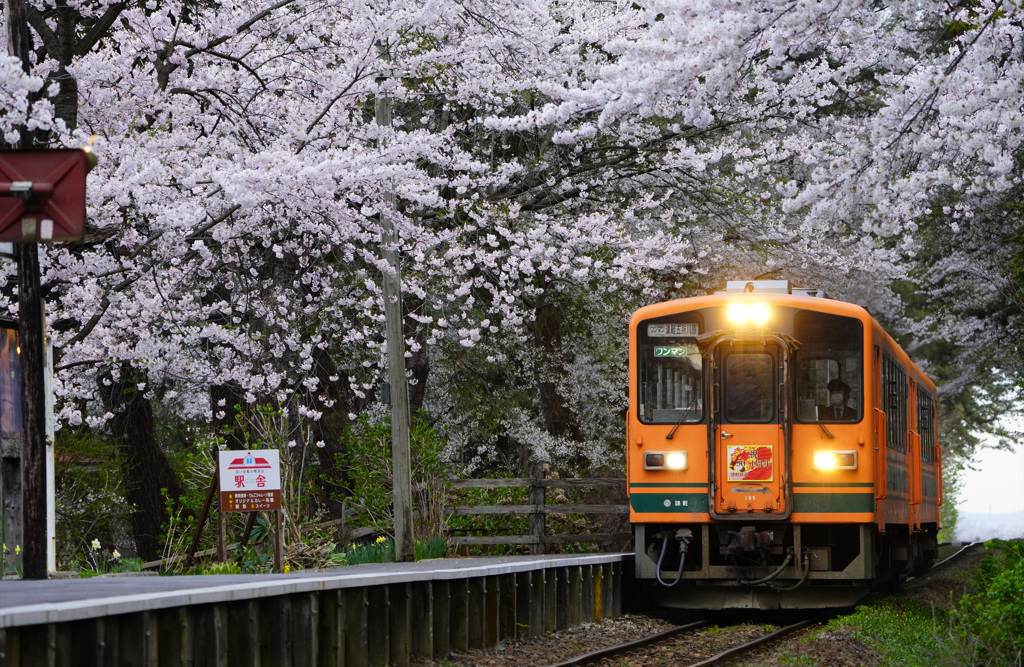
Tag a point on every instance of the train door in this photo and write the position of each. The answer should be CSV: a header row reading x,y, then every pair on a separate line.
x,y
751,461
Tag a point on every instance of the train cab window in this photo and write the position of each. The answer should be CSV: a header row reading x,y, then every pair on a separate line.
x,y
671,371
750,388
829,368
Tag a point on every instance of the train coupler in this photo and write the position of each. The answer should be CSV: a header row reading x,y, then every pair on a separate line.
x,y
748,540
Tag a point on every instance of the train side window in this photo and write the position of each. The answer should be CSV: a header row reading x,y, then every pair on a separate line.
x,y
926,425
831,349
895,396
671,371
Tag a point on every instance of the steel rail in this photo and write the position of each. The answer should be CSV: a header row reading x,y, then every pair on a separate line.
x,y
725,657
620,649
963,550
914,582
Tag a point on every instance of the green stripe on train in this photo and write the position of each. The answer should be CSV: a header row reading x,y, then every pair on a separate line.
x,y
833,502
694,503
681,503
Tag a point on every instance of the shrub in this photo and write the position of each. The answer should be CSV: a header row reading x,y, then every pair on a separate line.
x,y
994,614
366,462
90,502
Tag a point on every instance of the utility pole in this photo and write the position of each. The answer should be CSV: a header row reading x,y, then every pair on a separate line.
x,y
30,335
400,426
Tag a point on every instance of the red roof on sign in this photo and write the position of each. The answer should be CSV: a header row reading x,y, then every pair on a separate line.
x,y
258,462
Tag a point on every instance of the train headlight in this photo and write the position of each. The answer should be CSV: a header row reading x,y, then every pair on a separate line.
x,y
666,461
760,313
676,461
833,460
737,313
748,313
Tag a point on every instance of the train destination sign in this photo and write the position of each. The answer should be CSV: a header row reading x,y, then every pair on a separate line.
x,y
250,481
668,330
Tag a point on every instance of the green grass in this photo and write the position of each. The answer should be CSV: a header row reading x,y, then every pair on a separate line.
x,y
904,631
435,547
382,550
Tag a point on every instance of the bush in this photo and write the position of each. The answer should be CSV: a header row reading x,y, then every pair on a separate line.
x,y
90,503
994,614
366,462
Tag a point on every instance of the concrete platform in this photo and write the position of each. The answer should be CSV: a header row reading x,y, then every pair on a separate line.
x,y
377,614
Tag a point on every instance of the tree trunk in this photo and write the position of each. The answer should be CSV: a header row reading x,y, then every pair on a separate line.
x,y
559,420
332,400
147,472
225,417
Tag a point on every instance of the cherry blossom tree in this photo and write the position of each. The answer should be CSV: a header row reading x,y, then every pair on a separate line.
x,y
550,167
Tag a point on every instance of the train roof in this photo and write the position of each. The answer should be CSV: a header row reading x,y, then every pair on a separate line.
x,y
782,293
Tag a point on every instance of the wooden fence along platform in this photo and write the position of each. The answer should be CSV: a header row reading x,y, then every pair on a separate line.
x,y
537,510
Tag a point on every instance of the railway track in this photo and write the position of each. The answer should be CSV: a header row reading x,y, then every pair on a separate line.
x,y
643,651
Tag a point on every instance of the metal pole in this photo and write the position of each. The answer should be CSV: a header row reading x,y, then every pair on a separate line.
x,y
30,334
400,427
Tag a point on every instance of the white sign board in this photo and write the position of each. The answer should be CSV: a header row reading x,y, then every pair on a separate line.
x,y
250,481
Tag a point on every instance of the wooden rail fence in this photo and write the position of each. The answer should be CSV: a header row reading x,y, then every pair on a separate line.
x,y
537,511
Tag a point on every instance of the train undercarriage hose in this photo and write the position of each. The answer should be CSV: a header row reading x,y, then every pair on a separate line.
x,y
770,577
798,584
683,536
806,570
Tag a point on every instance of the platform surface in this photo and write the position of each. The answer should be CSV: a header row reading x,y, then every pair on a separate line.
x,y
52,601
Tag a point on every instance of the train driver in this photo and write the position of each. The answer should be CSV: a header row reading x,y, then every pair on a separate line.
x,y
839,408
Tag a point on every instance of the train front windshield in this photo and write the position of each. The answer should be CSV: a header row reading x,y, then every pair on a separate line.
x,y
829,367
827,371
671,372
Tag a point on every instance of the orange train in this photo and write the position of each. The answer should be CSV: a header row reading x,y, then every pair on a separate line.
x,y
782,451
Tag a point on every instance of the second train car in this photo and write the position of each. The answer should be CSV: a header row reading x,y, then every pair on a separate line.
x,y
782,451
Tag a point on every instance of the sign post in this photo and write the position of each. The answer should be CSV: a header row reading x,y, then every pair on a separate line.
x,y
250,481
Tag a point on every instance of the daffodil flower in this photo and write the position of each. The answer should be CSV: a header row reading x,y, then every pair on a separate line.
x,y
381,539
17,548
287,568
5,548
95,545
115,555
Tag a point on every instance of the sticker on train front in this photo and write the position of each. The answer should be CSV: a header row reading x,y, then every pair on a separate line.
x,y
750,463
